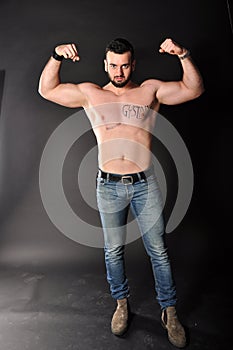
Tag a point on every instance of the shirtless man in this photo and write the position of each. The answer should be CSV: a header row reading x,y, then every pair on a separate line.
x,y
122,114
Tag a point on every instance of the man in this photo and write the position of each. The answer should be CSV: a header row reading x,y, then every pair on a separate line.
x,y
122,114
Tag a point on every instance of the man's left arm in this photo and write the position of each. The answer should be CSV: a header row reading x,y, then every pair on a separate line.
x,y
190,87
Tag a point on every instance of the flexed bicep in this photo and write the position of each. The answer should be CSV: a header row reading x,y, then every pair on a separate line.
x,y
68,95
173,92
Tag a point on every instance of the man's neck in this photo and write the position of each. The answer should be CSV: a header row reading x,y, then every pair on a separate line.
x,y
120,90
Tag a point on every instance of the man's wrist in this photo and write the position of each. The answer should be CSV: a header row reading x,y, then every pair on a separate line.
x,y
56,56
184,55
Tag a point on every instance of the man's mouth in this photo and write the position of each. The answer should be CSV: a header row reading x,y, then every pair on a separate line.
x,y
118,78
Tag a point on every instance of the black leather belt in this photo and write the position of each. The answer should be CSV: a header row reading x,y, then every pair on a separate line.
x,y
126,178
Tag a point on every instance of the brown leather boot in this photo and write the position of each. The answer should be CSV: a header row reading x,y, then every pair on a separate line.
x,y
119,322
175,331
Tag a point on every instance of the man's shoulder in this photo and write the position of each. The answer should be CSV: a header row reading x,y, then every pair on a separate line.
x,y
88,86
151,82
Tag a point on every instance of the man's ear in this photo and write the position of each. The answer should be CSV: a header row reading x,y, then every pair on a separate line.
x,y
133,65
105,65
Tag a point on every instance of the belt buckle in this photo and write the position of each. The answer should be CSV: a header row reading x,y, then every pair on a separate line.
x,y
127,180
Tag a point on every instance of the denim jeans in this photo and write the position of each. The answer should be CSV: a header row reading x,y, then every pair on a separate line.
x,y
144,199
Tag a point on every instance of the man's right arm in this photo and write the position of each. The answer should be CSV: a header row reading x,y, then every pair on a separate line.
x,y
50,86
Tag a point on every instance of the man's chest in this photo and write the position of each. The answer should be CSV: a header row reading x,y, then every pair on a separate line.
x,y
109,115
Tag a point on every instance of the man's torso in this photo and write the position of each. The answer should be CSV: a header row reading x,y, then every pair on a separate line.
x,y
122,125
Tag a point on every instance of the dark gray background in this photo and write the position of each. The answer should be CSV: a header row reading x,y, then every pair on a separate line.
x,y
53,291
29,31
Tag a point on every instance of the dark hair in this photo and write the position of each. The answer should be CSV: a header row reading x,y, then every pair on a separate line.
x,y
120,45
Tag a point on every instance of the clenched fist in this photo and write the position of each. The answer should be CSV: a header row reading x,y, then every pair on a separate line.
x,y
68,51
172,48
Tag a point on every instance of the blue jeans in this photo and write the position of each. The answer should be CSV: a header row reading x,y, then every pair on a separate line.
x,y
143,197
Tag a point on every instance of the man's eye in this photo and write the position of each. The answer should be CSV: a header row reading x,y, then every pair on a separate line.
x,y
125,66
113,66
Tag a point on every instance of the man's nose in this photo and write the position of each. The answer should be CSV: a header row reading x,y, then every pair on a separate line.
x,y
119,71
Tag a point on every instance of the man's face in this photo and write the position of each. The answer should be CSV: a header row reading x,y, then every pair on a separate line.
x,y
119,68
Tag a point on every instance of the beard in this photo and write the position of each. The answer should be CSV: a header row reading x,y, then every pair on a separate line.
x,y
122,84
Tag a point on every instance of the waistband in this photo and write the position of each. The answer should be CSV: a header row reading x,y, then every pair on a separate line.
x,y
126,178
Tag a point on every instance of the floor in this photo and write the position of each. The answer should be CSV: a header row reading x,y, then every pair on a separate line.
x,y
68,307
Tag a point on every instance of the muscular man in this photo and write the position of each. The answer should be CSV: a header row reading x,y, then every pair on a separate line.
x,y
123,114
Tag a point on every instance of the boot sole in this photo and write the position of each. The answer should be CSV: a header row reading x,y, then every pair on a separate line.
x,y
120,333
